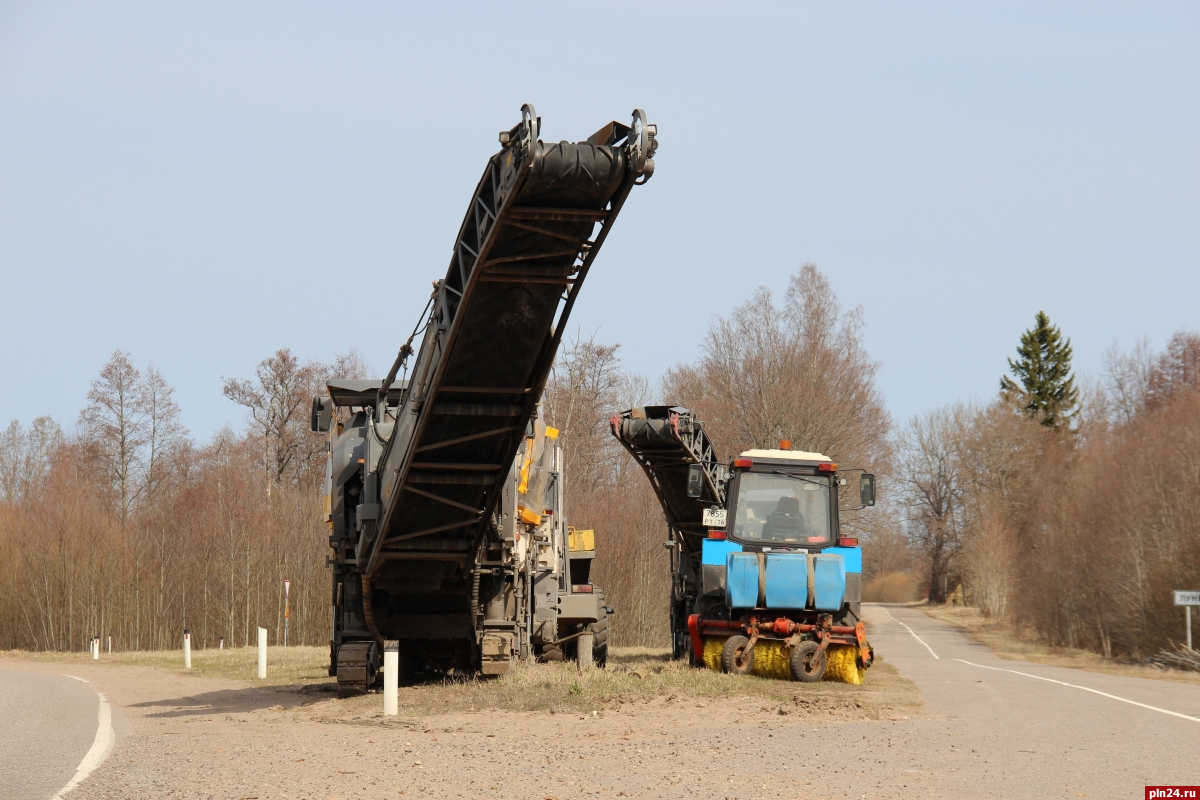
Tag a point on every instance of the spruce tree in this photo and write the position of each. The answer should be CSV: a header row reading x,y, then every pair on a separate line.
x,y
1044,385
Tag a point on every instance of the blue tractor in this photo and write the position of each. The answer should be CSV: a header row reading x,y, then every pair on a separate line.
x,y
762,580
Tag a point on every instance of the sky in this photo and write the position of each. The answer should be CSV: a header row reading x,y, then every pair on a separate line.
x,y
201,184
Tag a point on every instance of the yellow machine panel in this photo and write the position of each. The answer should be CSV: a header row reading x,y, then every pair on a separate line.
x,y
580,541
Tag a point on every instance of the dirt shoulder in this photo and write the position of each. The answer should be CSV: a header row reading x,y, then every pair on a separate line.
x,y
643,727
1006,642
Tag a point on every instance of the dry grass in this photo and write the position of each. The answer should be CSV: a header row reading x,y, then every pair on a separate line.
x,y
1005,640
285,665
641,676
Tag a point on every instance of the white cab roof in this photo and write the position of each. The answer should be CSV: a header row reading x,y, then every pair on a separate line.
x,y
797,455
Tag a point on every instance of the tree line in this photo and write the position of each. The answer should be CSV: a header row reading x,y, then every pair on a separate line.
x,y
1067,508
1063,504
125,526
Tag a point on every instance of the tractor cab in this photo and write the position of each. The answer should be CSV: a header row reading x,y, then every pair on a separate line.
x,y
782,499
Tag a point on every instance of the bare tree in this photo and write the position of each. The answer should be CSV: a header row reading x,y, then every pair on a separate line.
x,y
989,556
12,462
1138,380
800,372
276,399
164,431
25,457
1126,379
930,473
350,365
1177,370
114,419
583,391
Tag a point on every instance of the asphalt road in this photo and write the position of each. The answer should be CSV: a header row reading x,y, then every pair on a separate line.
x,y
49,724
1005,729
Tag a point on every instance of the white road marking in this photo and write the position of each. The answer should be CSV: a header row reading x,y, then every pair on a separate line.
x,y
1086,689
910,630
101,747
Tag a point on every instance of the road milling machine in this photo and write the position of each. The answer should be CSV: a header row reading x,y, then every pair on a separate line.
x,y
762,580
445,501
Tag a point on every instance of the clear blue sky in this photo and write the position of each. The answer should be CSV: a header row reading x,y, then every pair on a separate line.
x,y
202,183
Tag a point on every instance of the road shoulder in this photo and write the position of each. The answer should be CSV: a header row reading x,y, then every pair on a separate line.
x,y
1002,639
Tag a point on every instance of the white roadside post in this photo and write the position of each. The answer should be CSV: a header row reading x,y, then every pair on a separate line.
x,y
583,650
1187,600
95,648
221,645
391,678
187,649
110,644
262,653
287,610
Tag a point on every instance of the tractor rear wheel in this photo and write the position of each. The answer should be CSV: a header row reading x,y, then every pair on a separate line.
x,y
807,666
737,657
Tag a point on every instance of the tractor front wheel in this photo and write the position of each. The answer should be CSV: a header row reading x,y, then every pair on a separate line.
x,y
807,666
737,657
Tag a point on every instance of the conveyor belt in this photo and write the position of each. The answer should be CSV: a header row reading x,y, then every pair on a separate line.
x,y
533,228
666,441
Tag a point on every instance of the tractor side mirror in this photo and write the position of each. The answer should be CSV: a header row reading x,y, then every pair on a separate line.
x,y
322,414
695,480
866,490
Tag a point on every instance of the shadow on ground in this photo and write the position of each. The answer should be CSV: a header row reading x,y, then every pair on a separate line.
x,y
239,701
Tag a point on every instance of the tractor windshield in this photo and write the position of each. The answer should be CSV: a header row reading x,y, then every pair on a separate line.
x,y
790,509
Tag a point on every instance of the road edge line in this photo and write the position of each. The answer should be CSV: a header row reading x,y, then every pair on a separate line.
x,y
101,746
910,630
1084,688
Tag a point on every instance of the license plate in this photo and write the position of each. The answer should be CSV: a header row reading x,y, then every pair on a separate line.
x,y
714,518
